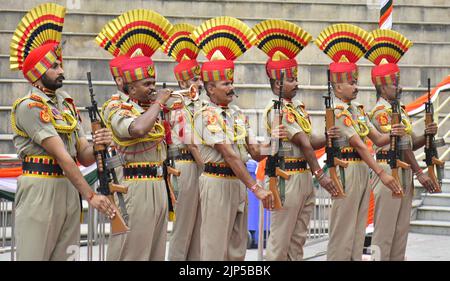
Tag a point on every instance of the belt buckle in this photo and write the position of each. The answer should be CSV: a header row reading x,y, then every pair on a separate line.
x,y
159,171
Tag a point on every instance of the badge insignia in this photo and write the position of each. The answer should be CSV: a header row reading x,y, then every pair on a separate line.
x,y
45,117
347,121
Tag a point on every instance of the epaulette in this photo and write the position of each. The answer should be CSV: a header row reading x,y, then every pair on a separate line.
x,y
115,97
341,107
126,106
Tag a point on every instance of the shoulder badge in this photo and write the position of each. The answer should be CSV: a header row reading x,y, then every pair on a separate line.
x,y
347,121
177,106
35,97
44,116
36,104
115,97
383,118
290,117
126,106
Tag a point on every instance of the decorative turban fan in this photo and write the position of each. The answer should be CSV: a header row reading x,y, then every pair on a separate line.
x,y
281,41
35,43
387,49
182,48
136,29
345,44
222,40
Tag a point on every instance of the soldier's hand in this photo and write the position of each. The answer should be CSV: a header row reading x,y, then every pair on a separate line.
x,y
163,95
428,183
334,132
279,132
398,130
265,196
431,129
391,183
103,205
102,136
329,186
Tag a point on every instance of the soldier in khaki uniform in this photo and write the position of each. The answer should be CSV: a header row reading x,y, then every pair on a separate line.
x,y
289,226
49,139
224,141
392,215
349,215
185,238
139,136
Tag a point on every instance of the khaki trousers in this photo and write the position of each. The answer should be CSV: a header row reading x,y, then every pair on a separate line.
x,y
47,219
223,231
147,207
349,216
392,217
185,239
289,226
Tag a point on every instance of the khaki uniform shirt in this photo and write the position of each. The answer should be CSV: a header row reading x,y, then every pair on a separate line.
x,y
352,119
119,113
381,118
36,114
216,125
293,124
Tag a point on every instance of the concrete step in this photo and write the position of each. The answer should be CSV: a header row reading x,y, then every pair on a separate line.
x,y
430,227
119,5
427,50
246,71
261,9
438,199
445,185
433,213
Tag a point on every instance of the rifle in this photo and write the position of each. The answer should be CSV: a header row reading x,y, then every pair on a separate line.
x,y
394,152
275,162
332,149
435,166
108,183
169,169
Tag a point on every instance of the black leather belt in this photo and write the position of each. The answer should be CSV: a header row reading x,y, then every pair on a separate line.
x,y
219,169
185,155
350,155
45,166
142,171
295,165
382,156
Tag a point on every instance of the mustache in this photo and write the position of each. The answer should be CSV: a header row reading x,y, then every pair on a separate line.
x,y
61,77
231,93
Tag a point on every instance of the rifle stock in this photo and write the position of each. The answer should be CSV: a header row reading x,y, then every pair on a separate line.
x,y
273,187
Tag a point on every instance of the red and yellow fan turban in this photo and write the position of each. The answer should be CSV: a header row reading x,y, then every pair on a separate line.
x,y
35,43
222,40
281,41
140,32
387,49
182,48
345,44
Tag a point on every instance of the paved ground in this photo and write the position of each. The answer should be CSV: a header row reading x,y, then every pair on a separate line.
x,y
421,247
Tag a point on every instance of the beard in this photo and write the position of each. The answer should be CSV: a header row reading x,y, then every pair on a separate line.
x,y
52,85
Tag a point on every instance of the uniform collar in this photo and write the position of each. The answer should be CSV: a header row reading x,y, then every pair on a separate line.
x,y
384,102
342,104
38,92
124,97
